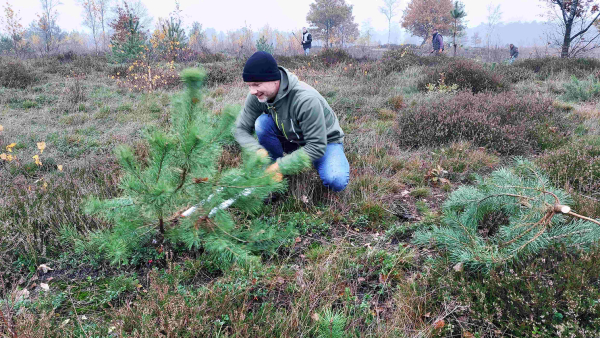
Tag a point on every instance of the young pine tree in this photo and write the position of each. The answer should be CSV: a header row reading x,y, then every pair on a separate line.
x,y
182,170
127,41
512,214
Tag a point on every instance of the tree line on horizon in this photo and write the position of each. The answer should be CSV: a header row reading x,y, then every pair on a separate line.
x,y
575,27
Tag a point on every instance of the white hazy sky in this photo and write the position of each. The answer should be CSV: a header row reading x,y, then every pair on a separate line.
x,y
285,15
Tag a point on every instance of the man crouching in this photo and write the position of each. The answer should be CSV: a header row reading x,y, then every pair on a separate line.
x,y
291,117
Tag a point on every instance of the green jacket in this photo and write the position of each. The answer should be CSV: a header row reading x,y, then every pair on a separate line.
x,y
302,115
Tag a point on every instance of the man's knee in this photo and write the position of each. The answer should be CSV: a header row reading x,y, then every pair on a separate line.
x,y
336,181
264,125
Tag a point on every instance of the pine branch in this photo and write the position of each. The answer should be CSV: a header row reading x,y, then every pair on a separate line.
x,y
463,214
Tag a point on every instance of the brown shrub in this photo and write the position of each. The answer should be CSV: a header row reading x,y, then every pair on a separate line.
x,y
506,122
396,102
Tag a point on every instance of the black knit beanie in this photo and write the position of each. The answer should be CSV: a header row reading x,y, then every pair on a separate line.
x,y
261,67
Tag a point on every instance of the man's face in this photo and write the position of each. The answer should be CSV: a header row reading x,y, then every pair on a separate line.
x,y
434,31
303,29
264,91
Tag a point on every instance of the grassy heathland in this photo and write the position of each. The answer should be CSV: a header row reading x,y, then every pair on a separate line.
x,y
417,129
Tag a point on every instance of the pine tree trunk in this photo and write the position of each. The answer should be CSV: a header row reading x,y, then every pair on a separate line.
x,y
454,38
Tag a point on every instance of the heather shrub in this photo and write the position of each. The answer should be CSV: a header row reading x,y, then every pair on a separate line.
x,y
505,122
512,74
208,57
66,57
294,61
398,60
51,65
575,165
466,74
544,67
144,77
118,70
89,63
332,56
553,295
15,74
222,73
581,90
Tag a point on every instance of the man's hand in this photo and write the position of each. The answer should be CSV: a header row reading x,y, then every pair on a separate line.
x,y
274,169
262,153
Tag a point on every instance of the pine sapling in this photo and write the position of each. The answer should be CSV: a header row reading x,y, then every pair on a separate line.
x,y
182,170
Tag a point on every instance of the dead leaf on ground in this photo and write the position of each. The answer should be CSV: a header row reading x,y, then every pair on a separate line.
x,y
45,268
21,295
45,286
438,325
315,316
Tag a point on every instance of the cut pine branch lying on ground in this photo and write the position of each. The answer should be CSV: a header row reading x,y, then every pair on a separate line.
x,y
536,216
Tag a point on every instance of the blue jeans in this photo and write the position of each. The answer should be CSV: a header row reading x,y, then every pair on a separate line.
x,y
306,51
333,167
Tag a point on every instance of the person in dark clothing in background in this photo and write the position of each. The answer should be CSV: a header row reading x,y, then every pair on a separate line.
x,y
438,42
514,53
306,41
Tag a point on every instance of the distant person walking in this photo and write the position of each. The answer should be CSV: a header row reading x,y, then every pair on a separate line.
x,y
438,42
514,53
306,41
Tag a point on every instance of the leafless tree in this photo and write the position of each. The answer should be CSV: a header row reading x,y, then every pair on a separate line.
x,y
571,21
494,17
103,17
390,10
91,18
47,23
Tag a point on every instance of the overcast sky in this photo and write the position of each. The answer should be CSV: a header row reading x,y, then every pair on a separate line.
x,y
285,15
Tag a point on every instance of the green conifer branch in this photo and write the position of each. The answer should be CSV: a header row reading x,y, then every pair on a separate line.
x,y
537,219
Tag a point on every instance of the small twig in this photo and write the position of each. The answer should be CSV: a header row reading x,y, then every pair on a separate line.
x,y
77,316
583,217
8,326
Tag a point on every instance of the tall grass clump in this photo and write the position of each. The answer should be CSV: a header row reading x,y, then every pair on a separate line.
x,y
504,122
33,214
